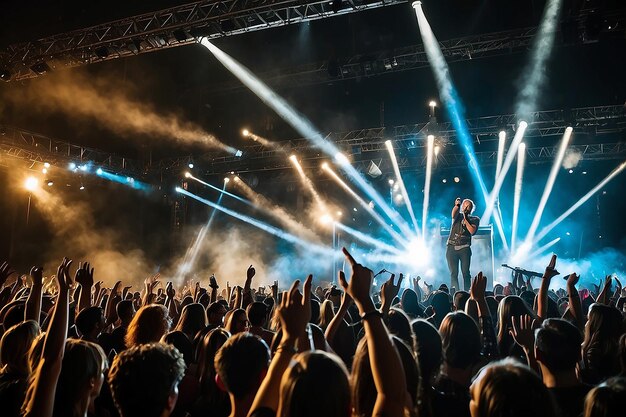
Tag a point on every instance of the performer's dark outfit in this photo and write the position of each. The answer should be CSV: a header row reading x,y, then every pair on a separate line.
x,y
459,250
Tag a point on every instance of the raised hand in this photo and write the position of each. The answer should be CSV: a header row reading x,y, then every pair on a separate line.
x,y
345,297
250,273
64,280
551,269
5,272
169,290
388,291
478,287
294,311
523,331
84,275
36,273
572,279
360,284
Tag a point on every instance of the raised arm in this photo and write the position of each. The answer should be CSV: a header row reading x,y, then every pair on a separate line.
x,y
384,359
456,208
84,277
247,287
542,301
606,289
346,302
46,375
575,306
294,313
523,332
389,291
477,293
33,303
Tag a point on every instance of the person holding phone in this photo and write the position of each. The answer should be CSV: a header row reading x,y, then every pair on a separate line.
x,y
458,249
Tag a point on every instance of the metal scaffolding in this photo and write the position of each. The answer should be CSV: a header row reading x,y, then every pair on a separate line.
x,y
366,143
35,148
176,26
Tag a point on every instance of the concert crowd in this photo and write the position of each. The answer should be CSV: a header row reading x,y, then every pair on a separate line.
x,y
71,347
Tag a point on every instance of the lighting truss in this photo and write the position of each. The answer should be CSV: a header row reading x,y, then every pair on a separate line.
x,y
25,145
176,26
599,120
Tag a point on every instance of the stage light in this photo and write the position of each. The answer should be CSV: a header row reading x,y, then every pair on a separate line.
x,y
178,189
293,158
427,181
82,187
226,180
99,171
554,171
44,171
50,183
187,175
432,103
370,204
584,172
245,132
567,233
457,179
339,213
190,165
324,165
391,182
521,156
46,165
342,159
395,187
416,4
571,171
239,153
326,219
437,150
444,180
398,198
72,166
31,183
354,209
501,145
83,167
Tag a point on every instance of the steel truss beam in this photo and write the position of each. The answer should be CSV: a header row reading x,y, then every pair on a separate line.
x,y
36,148
176,26
599,120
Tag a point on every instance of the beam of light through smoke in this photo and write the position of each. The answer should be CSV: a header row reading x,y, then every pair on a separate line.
x,y
367,238
510,155
454,108
312,247
429,169
580,202
105,102
122,179
302,125
519,176
501,145
523,254
400,182
264,141
308,184
540,250
556,166
365,205
191,255
222,191
534,73
275,211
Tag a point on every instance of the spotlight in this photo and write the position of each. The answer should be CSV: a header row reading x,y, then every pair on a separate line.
x,y
44,171
83,167
50,183
245,132
226,180
325,165
391,182
187,175
238,153
444,180
293,158
178,189
31,183
354,209
416,4
584,172
567,233
99,171
398,198
72,166
457,179
46,165
325,219
339,213
437,150
190,165
371,204
571,171
395,187
82,187
341,158
429,137
432,103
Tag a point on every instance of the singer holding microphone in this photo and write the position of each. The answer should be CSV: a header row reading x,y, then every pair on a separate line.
x,y
464,226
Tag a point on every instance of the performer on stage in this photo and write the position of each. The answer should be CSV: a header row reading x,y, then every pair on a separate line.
x,y
464,226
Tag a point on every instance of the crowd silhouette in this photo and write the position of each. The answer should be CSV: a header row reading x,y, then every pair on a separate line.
x,y
71,347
